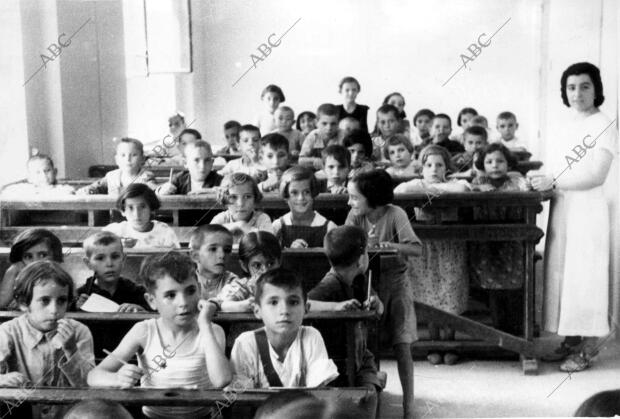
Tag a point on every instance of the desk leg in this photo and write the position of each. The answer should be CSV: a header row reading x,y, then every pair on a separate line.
x,y
529,365
350,327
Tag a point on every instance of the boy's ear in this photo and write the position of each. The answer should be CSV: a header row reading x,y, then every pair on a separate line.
x,y
256,309
150,298
87,262
193,254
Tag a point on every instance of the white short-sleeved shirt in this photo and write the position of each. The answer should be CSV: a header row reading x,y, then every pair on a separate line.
x,y
162,235
255,170
258,221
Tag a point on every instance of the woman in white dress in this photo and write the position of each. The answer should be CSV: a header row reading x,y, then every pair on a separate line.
x,y
578,235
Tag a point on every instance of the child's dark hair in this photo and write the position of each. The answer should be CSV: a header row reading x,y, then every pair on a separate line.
x,y
39,272
603,404
595,75
476,130
236,179
272,88
281,278
275,141
193,132
338,153
178,266
327,109
423,112
401,115
259,243
297,173
443,116
302,115
102,238
384,109
376,186
506,115
397,139
31,237
197,238
359,137
249,128
349,79
344,245
491,148
231,124
136,143
463,111
136,190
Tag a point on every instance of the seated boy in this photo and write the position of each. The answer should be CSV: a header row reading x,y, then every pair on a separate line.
x,y
210,247
441,128
283,353
345,287
198,178
337,164
359,145
507,126
41,180
387,124
474,140
249,145
231,132
104,255
274,157
326,134
285,118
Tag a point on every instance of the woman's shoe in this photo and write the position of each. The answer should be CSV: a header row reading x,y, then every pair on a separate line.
x,y
560,353
450,358
576,362
434,358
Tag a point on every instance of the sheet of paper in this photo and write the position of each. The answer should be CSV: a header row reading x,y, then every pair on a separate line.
x,y
99,304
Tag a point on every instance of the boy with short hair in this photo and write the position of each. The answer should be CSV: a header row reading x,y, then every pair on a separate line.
x,y
284,117
506,126
249,146
210,247
104,255
41,180
441,128
474,140
325,134
198,176
231,132
283,353
387,123
274,156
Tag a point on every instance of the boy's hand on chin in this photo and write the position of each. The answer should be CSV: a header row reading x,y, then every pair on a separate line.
x,y
65,337
13,379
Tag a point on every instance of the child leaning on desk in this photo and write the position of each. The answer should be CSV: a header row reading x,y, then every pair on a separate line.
x,y
180,348
41,181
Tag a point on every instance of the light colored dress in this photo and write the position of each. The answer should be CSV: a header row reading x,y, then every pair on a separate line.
x,y
578,239
160,236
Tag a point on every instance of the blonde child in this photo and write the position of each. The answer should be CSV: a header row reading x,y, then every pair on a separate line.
x,y
210,247
274,157
137,203
130,160
387,225
440,132
399,151
271,96
231,133
282,354
421,133
180,348
249,163
240,194
105,257
326,134
41,181
398,101
387,123
359,146
507,125
474,140
306,123
349,88
464,120
441,276
337,164
28,246
42,348
285,118
346,126
301,227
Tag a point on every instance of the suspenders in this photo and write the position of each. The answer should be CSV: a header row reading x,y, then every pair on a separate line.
x,y
272,376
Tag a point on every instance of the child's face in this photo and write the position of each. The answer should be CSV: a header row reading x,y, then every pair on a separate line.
x,y
138,213
48,305
177,303
281,309
40,251
300,196
399,155
185,140
507,128
106,262
386,123
466,120
441,129
357,201
473,143
397,101
347,126
328,125
199,162
41,172
232,137
495,165
274,159
128,158
434,169
249,143
214,253
176,125
307,123
423,124
358,155
241,201
259,264
349,92
284,120
271,101
336,172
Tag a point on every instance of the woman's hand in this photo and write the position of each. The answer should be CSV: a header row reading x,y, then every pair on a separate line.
x,y
542,183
